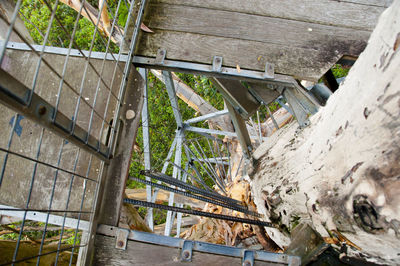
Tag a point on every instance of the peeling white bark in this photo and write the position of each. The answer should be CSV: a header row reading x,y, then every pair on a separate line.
x,y
346,165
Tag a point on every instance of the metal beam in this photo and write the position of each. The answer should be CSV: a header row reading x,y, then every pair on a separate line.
x,y
14,95
202,246
298,110
169,83
237,95
170,65
206,117
176,173
42,217
146,145
207,70
241,130
215,132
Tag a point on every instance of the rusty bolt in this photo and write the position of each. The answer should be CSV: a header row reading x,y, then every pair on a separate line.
x,y
42,110
217,59
120,243
186,254
161,52
246,263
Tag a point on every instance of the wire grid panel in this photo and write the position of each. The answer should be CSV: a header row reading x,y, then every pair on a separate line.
x,y
44,176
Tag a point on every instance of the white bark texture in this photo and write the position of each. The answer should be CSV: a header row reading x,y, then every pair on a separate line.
x,y
343,172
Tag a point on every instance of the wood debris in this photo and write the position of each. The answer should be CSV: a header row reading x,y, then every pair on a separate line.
x,y
231,233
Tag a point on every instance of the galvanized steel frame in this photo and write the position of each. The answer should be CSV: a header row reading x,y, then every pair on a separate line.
x,y
202,246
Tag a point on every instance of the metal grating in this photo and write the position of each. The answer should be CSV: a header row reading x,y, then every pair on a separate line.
x,y
59,123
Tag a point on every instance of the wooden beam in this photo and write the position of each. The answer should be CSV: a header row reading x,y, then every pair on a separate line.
x,y
249,27
138,253
349,14
118,170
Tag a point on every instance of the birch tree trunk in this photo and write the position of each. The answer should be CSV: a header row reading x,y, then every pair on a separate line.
x,y
341,175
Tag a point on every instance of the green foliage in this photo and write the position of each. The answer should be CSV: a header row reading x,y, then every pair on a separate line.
x,y
36,16
159,216
339,71
37,234
204,87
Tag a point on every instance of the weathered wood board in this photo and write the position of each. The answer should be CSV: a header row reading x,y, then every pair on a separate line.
x,y
302,38
138,253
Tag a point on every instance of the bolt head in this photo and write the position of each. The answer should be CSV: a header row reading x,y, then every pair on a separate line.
x,y
42,110
120,243
186,254
246,263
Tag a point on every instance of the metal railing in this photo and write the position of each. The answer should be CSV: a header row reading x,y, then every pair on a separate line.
x,y
59,121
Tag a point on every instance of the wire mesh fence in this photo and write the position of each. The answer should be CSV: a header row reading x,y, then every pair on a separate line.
x,y
64,68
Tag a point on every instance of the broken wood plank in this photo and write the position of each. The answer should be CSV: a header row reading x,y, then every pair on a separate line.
x,y
131,217
186,221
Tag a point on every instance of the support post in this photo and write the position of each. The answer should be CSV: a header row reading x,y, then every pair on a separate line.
x,y
118,169
146,145
241,130
169,83
175,174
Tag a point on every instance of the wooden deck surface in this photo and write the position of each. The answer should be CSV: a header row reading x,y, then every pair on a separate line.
x,y
303,38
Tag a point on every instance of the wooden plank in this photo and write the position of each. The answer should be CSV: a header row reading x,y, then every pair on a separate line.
x,y
146,254
357,14
382,3
302,63
138,253
163,196
248,27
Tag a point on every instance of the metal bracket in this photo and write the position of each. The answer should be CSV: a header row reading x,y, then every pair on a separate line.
x,y
248,258
121,238
217,64
187,251
269,71
160,57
